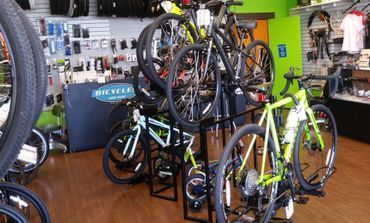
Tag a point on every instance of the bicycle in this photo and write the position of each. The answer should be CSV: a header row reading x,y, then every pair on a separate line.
x,y
24,172
126,154
176,29
266,175
24,201
193,85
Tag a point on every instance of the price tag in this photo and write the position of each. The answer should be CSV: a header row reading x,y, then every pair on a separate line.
x,y
136,115
203,17
301,113
289,210
167,6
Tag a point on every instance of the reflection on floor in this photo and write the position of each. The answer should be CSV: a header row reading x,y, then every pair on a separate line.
x,y
75,189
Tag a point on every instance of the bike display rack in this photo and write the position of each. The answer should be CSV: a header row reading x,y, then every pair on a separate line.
x,y
149,112
204,127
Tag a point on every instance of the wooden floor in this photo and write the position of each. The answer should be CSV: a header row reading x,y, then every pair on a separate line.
x,y
75,189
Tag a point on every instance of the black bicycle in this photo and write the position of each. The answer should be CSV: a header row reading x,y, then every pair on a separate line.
x,y
193,85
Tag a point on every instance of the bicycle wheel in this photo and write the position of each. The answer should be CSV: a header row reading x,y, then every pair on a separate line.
x,y
250,201
192,91
25,201
38,140
11,215
124,162
17,84
196,187
257,74
172,32
313,166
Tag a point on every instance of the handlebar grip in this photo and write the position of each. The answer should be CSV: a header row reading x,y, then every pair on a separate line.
x,y
285,90
289,79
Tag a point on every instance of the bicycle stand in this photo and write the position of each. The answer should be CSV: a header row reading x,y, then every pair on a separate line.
x,y
149,112
204,127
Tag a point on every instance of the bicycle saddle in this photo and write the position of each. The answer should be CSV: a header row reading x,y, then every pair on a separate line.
x,y
247,24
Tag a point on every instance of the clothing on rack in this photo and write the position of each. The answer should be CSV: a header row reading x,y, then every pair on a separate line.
x,y
353,26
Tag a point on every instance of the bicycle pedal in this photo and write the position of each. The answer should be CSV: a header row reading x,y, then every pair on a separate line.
x,y
302,200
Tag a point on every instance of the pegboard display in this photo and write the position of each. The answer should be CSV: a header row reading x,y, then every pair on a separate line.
x,y
101,31
336,11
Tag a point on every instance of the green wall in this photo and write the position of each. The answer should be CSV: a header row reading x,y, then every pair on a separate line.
x,y
279,7
291,37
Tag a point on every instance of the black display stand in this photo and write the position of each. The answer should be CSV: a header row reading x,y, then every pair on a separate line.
x,y
150,112
204,127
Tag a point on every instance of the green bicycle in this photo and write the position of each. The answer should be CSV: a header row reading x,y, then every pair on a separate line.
x,y
265,175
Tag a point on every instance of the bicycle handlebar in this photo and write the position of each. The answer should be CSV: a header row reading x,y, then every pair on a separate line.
x,y
290,77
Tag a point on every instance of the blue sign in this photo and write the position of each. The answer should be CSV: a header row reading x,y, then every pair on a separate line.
x,y
282,50
114,92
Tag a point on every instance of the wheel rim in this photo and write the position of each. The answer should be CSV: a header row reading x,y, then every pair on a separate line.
x,y
194,90
119,163
259,73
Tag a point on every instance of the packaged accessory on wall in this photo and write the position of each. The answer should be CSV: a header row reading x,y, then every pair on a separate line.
x,y
76,47
49,100
95,44
133,43
42,27
123,44
45,43
85,33
59,29
88,45
68,50
52,46
50,28
59,43
76,31
113,45
104,44
66,40
65,27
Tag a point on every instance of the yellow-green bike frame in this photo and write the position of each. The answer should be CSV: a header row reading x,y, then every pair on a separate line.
x,y
267,115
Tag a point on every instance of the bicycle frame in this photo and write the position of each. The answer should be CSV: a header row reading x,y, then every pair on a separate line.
x,y
202,32
141,125
270,126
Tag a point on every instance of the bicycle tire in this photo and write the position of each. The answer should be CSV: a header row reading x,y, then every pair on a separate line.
x,y
38,140
140,52
229,148
118,164
40,62
19,123
30,196
149,48
193,194
271,77
330,157
170,92
15,215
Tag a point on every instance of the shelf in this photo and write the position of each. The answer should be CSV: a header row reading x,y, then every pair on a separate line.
x,y
315,5
352,98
